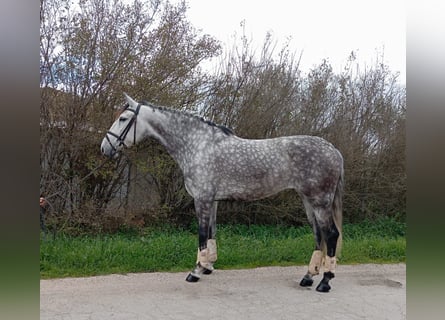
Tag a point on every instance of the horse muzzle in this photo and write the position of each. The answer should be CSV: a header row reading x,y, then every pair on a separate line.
x,y
108,149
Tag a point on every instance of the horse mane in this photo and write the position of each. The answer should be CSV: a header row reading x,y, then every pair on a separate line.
x,y
227,131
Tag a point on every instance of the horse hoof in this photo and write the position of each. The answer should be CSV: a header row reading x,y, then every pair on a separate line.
x,y
323,287
207,271
191,278
306,282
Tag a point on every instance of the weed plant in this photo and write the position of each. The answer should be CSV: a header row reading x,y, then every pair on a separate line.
x,y
239,246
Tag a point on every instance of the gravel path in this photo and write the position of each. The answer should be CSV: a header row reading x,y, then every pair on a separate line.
x,y
366,291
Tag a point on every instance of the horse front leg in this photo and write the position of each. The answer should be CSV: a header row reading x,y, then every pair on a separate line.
x,y
211,241
207,248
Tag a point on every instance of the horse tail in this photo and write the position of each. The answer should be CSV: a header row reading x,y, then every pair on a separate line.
x,y
338,210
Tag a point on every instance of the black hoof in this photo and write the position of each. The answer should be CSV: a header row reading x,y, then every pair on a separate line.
x,y
324,284
323,287
306,282
207,271
191,278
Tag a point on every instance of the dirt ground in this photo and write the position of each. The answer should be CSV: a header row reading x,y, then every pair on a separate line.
x,y
358,292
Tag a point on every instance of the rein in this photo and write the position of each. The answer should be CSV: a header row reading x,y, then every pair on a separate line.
x,y
120,138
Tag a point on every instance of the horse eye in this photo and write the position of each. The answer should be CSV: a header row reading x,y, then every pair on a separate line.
x,y
122,119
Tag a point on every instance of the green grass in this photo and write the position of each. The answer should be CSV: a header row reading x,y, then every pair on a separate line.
x,y
169,249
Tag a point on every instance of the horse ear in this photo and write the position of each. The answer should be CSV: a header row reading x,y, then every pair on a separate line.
x,y
130,101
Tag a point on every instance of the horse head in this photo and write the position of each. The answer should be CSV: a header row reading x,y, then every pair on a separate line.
x,y
122,132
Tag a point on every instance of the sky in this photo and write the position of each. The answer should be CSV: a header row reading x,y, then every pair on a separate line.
x,y
318,29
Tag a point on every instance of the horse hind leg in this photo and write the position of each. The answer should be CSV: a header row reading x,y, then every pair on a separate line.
x,y
323,257
330,235
316,261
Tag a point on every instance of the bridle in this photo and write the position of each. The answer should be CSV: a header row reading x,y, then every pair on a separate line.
x,y
120,138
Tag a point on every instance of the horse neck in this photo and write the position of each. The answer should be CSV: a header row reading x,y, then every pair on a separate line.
x,y
175,131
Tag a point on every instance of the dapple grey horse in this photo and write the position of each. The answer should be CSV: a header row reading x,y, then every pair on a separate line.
x,y
218,165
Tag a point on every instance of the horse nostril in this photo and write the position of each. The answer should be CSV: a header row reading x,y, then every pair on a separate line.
x,y
102,150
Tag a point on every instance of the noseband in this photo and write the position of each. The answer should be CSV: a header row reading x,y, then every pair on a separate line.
x,y
120,138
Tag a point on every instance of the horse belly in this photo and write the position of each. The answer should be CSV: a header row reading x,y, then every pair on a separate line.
x,y
258,185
